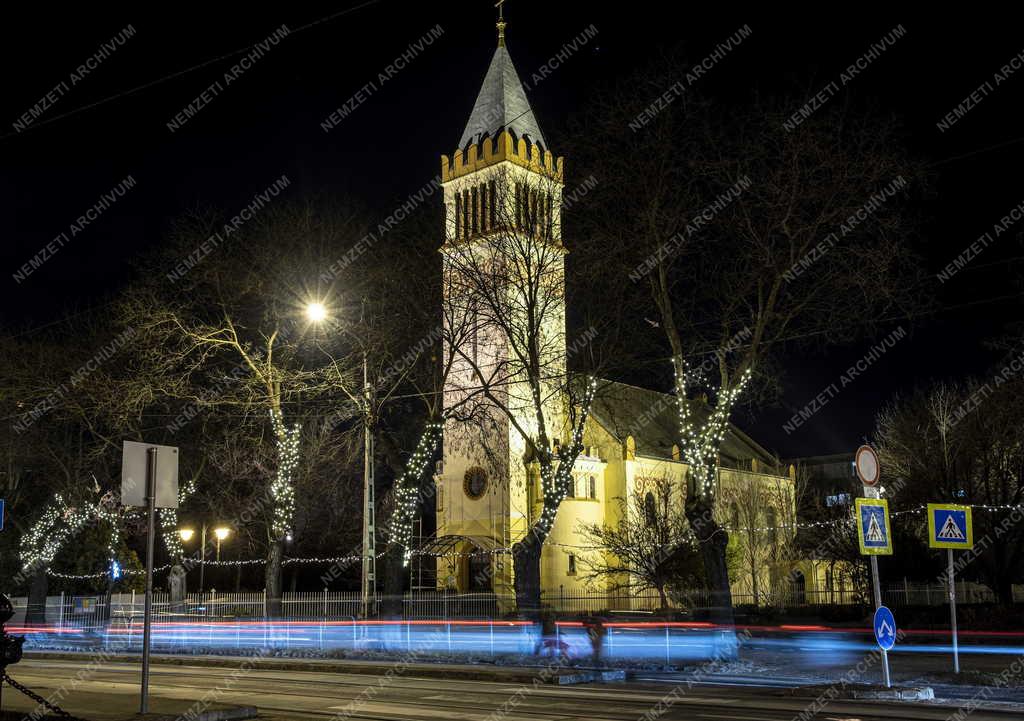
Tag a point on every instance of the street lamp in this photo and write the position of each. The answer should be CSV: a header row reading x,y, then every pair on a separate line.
x,y
316,312
220,534
187,534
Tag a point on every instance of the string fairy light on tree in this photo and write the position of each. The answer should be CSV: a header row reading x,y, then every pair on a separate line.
x,y
282,488
407,485
59,523
556,477
169,522
700,440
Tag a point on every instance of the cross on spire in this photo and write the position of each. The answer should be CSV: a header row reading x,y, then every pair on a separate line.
x,y
501,22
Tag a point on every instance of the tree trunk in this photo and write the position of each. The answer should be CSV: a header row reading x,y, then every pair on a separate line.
x,y
37,587
526,566
394,581
713,540
754,584
273,578
663,597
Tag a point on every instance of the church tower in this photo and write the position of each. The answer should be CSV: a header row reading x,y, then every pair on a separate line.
x,y
501,185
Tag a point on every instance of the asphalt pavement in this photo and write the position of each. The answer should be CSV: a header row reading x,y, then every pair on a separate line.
x,y
109,690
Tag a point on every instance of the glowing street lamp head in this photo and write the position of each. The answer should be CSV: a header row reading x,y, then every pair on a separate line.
x,y
316,312
186,534
221,533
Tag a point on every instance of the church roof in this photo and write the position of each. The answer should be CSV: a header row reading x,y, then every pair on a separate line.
x,y
501,104
652,419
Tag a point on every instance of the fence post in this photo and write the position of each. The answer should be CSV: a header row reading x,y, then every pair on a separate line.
x,y
906,591
927,594
60,616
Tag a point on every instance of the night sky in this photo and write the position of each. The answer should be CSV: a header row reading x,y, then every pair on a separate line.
x,y
112,123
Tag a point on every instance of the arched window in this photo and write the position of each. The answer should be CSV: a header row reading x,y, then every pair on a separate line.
x,y
772,522
473,208
650,509
592,487
458,215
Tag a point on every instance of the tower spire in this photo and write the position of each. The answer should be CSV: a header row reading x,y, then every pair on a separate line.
x,y
501,22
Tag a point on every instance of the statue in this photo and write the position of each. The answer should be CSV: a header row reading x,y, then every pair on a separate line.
x,y
176,581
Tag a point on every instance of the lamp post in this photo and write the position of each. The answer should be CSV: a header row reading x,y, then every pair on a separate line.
x,y
317,313
187,534
220,534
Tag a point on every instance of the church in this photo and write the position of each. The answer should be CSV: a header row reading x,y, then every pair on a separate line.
x,y
630,436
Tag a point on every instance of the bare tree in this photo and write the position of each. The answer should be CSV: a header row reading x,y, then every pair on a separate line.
x,y
749,516
642,550
962,443
220,324
744,238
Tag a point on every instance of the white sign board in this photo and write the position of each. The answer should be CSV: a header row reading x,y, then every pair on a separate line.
x,y
134,459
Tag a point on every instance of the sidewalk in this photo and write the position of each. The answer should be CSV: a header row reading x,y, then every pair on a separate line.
x,y
119,707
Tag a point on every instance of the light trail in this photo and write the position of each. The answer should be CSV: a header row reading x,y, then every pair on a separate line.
x,y
669,642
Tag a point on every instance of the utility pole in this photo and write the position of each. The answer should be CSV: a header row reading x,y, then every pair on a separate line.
x,y
202,562
369,575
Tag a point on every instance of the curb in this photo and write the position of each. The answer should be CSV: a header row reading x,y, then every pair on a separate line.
x,y
918,693
589,677
498,674
220,714
867,692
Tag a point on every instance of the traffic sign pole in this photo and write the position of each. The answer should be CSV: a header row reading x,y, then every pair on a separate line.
x,y
147,622
952,611
951,526
867,467
878,604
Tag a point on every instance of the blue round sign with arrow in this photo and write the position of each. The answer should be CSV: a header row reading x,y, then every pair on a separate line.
x,y
885,628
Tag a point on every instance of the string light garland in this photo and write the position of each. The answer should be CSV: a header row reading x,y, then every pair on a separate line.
x,y
557,477
169,521
407,485
506,551
282,488
700,441
58,523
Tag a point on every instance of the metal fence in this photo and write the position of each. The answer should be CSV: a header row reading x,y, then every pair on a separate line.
x,y
97,611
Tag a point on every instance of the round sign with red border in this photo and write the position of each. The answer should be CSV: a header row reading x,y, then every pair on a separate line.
x,y
866,462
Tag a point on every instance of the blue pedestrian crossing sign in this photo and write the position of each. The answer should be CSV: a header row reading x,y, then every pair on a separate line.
x,y
873,532
950,526
885,628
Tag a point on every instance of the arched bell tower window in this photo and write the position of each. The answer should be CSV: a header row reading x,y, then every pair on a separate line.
x,y
650,509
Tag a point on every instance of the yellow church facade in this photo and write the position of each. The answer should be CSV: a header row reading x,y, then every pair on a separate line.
x,y
483,509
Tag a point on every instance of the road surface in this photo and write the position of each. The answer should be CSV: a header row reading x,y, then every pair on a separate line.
x,y
109,691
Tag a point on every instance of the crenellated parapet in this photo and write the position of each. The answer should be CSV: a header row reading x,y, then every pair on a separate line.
x,y
491,151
